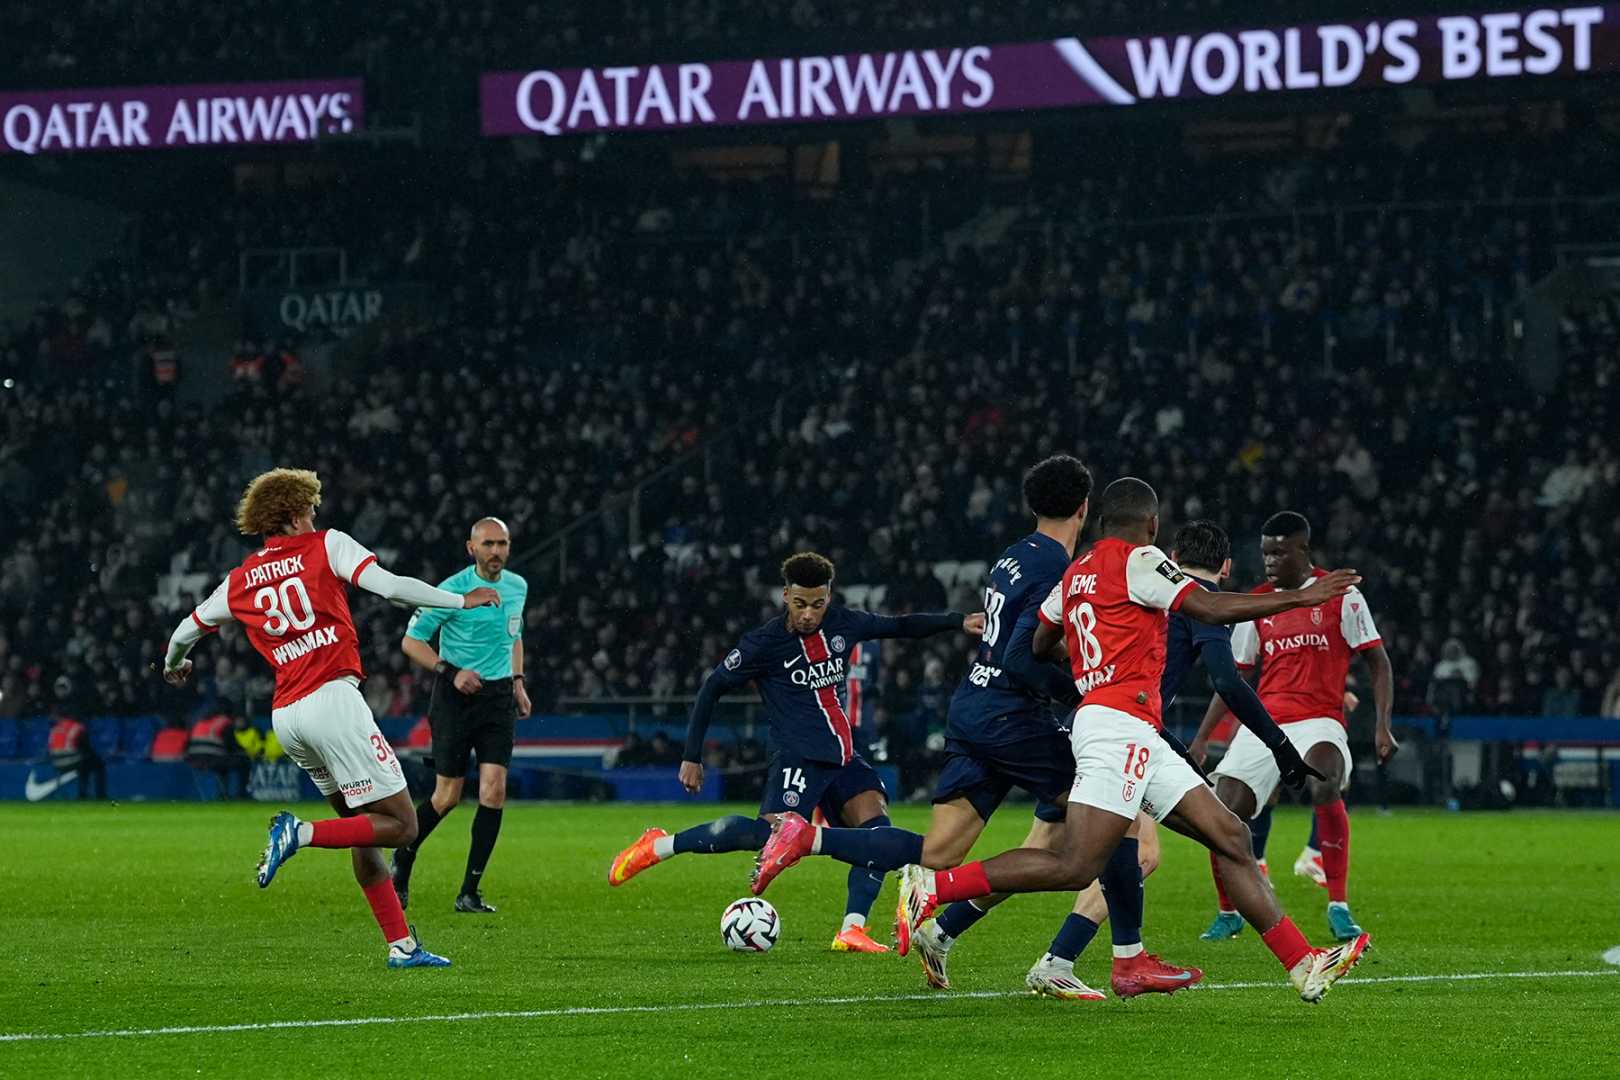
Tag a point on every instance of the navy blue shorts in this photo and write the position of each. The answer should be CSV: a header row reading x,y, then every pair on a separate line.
x,y
794,783
1042,765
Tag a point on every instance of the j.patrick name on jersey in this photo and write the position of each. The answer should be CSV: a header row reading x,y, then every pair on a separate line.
x,y
304,644
273,571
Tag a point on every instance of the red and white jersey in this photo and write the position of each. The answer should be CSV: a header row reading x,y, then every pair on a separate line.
x,y
291,597
1113,604
1304,654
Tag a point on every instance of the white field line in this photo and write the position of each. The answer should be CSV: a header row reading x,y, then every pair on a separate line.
x,y
624,1010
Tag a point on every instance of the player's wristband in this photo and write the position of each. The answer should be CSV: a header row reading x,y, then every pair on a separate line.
x,y
445,667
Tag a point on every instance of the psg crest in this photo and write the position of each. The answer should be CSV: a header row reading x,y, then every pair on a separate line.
x,y
837,643
790,798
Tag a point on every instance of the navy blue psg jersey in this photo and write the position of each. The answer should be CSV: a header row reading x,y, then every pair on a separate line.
x,y
802,676
1006,694
1186,640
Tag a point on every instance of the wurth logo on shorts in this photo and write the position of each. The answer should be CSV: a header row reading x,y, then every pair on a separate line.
x,y
819,674
355,788
318,638
1297,641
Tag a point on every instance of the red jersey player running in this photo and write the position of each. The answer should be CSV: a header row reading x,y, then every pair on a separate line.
x,y
1304,657
1110,611
291,598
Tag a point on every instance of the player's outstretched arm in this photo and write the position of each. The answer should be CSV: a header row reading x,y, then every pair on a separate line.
x,y
203,620
916,625
418,593
1226,608
737,669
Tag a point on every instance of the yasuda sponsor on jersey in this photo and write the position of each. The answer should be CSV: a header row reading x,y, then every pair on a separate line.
x,y
820,673
1296,641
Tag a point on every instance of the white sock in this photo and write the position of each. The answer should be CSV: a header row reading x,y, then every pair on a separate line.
x,y
1226,912
815,849
1313,853
404,944
853,920
663,847
1049,960
306,833
1125,952
1338,904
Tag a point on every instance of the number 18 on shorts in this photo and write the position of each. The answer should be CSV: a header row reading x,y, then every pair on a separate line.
x,y
1122,765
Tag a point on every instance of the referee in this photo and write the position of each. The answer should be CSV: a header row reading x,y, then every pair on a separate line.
x,y
477,699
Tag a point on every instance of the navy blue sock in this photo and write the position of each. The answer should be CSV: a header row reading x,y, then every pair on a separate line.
x,y
883,848
1260,830
864,884
1072,939
735,833
1312,843
1122,887
956,919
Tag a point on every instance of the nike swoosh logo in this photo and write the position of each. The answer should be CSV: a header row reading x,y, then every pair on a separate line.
x,y
1183,977
36,790
790,663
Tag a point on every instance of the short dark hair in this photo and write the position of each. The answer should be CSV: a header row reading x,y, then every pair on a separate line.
x,y
1286,523
1128,501
1057,487
1201,544
807,570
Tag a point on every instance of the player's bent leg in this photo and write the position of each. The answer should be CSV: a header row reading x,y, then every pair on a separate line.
x,y
1333,833
430,811
1201,816
935,937
865,810
1236,796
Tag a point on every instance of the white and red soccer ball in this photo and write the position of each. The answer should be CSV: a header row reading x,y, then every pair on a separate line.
x,y
750,925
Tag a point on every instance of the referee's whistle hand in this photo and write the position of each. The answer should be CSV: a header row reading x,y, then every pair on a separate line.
x,y
482,597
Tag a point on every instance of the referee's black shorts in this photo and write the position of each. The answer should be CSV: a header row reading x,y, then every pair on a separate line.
x,y
465,724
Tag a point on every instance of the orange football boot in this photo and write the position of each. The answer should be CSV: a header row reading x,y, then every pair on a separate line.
x,y
856,939
635,858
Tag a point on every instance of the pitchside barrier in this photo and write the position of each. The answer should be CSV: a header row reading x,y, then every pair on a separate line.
x,y
1568,760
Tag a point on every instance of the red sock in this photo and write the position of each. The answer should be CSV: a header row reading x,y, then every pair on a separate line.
x,y
1333,837
966,882
385,906
357,831
1286,943
1220,886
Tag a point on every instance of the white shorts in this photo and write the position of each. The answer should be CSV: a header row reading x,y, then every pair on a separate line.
x,y
1248,760
331,735
1122,765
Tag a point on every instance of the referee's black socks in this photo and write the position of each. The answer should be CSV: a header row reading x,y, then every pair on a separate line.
x,y
486,827
427,819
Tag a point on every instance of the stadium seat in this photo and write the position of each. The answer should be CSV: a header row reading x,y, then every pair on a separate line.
x,y
170,744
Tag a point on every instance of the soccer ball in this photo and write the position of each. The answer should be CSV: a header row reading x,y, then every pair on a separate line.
x,y
750,925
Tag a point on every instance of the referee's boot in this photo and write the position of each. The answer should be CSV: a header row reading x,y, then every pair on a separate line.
x,y
400,870
473,903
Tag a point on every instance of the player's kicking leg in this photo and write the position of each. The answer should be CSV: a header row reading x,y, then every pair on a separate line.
x,y
331,735
1236,796
732,833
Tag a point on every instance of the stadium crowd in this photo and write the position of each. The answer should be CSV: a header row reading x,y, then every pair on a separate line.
x,y
1241,363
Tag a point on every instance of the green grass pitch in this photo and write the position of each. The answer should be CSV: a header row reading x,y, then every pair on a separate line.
x,y
146,917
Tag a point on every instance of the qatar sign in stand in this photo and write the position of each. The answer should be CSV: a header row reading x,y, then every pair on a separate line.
x,y
1062,73
176,117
